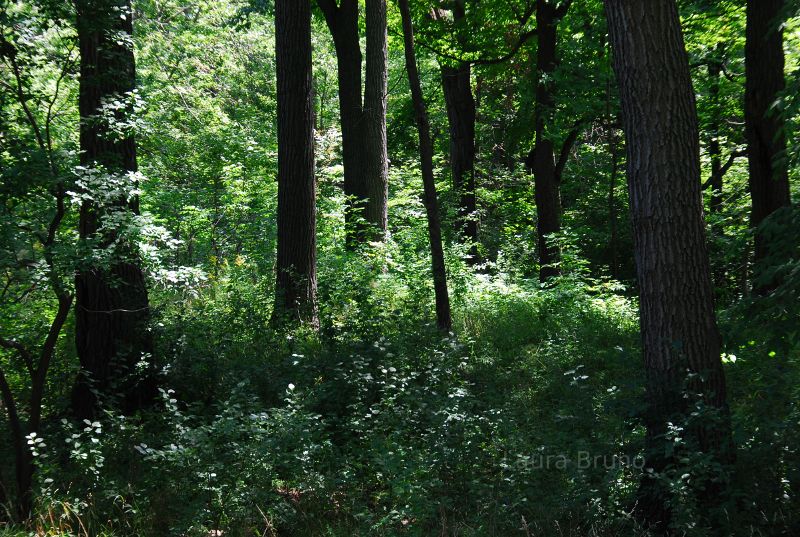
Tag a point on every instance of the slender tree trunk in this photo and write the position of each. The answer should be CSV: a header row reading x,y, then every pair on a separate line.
x,y
23,460
23,465
764,71
714,149
111,308
3,494
715,153
678,324
363,125
296,279
443,318
612,203
541,160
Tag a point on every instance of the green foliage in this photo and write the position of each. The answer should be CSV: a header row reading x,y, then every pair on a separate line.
x,y
526,420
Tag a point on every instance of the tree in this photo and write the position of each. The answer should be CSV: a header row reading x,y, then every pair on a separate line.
x,y
366,179
715,181
541,160
679,330
296,280
456,75
36,178
461,115
766,141
443,317
111,302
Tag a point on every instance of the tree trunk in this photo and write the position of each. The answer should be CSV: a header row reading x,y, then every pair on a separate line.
x,y
764,71
715,182
23,460
714,149
461,114
443,317
612,204
461,118
111,307
679,331
364,149
296,279
376,159
541,160
23,465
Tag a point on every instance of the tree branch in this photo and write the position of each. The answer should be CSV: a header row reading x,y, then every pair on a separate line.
x,y
561,10
11,409
9,52
49,116
46,355
566,148
329,8
479,61
724,169
24,353
522,19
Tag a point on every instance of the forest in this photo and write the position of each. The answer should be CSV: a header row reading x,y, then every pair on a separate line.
x,y
453,268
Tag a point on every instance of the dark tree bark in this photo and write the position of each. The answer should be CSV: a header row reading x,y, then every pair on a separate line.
x,y
612,203
23,465
461,115
443,318
456,85
296,279
376,159
3,493
37,369
111,303
366,179
678,324
764,71
715,181
541,160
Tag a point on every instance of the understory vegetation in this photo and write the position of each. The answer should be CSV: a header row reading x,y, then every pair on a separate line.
x,y
525,420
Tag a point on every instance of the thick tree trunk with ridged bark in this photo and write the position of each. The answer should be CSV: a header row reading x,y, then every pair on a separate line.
x,y
456,84
111,303
296,279
376,159
766,142
443,317
364,151
678,324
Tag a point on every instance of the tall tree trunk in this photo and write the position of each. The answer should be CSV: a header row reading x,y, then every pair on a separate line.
x,y
715,182
461,115
764,71
541,159
23,464
364,149
376,159
443,318
612,203
111,306
456,85
296,279
678,324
